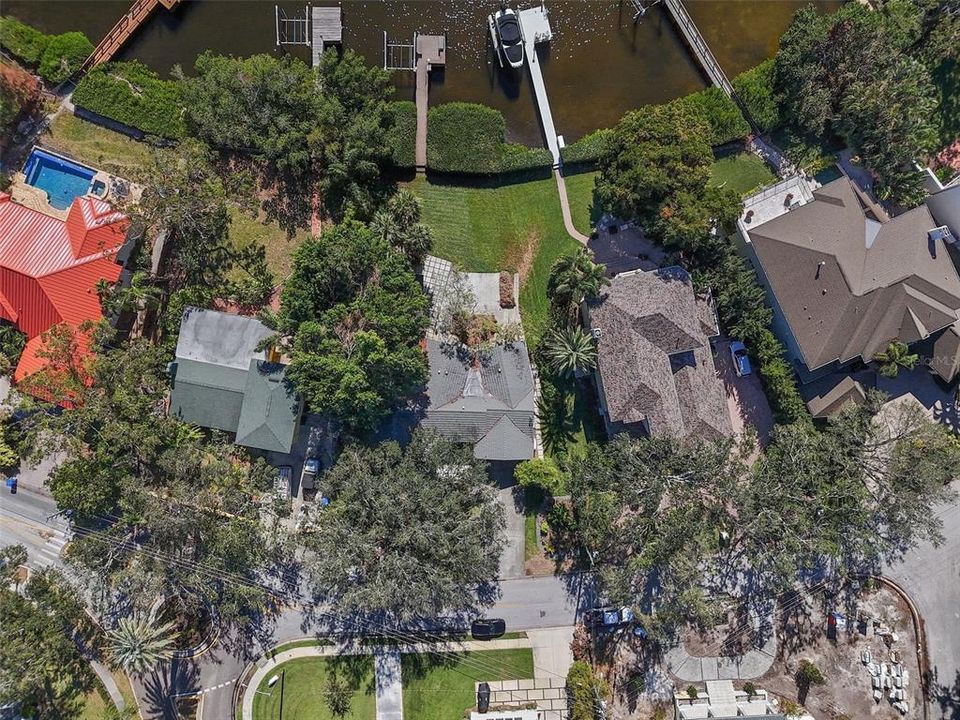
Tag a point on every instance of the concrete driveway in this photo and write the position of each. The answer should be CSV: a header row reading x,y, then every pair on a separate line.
x,y
746,400
511,497
931,576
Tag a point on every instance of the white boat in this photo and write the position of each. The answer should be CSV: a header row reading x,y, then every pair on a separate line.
x,y
507,36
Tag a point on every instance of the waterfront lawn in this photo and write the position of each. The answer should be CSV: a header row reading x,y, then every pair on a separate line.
x,y
304,685
583,210
100,148
246,230
442,688
483,227
742,172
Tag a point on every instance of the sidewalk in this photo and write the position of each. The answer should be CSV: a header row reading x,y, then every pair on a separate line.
x,y
389,685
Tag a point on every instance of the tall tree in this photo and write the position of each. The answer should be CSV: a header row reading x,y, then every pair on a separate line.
x,y
398,224
574,277
410,532
897,356
139,643
569,350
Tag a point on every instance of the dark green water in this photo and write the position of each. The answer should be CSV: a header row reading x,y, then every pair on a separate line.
x,y
598,66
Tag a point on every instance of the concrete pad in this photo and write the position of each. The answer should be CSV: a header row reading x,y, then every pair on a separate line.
x,y
552,656
512,559
526,684
510,685
708,667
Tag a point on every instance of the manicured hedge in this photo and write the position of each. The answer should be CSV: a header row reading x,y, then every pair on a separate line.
x,y
754,87
134,95
402,137
22,41
56,57
587,149
720,112
468,139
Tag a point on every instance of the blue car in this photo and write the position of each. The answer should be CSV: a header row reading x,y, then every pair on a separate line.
x,y
741,360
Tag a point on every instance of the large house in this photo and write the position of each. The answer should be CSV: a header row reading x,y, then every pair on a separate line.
x,y
484,399
221,380
655,372
49,269
846,280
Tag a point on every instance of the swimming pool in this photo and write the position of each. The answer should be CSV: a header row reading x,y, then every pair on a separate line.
x,y
60,178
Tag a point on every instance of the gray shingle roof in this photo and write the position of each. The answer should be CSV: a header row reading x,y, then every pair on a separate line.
x,y
490,405
221,381
848,284
644,318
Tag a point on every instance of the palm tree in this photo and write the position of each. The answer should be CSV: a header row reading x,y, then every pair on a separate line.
x,y
138,643
573,278
896,356
569,350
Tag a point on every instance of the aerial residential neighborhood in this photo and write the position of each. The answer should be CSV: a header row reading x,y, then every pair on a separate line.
x,y
479,359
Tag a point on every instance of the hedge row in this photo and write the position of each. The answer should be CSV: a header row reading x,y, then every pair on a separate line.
x,y
402,136
134,95
56,57
587,149
755,89
779,382
719,112
468,139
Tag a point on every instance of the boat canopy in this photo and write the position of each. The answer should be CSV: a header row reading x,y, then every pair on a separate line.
x,y
509,29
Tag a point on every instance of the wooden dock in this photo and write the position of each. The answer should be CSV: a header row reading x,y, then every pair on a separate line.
x,y
431,51
326,28
535,28
126,27
698,45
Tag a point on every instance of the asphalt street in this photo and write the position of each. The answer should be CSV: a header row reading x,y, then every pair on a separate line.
x,y
29,518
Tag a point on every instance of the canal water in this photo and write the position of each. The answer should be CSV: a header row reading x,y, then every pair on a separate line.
x,y
599,65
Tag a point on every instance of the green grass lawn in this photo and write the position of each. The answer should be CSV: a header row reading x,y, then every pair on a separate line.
x,y
103,149
486,228
279,248
443,688
304,685
580,194
743,172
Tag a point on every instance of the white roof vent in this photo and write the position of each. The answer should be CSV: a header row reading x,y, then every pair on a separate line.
x,y
597,333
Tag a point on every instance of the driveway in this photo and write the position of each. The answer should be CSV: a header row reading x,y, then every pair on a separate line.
x,y
931,576
511,497
746,400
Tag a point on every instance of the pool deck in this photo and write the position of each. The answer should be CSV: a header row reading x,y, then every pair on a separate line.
x,y
33,198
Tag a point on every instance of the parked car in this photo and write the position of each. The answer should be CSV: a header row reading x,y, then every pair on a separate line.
x,y
487,628
609,617
741,359
12,485
311,468
483,697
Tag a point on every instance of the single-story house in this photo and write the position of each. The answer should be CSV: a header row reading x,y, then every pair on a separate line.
x,y
220,380
655,371
484,398
49,269
847,279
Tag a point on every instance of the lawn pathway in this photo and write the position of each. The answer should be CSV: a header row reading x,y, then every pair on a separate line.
x,y
565,209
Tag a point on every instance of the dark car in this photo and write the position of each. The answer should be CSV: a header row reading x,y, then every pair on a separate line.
x,y
487,628
483,697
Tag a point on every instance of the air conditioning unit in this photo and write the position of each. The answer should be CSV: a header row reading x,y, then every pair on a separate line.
x,y
597,333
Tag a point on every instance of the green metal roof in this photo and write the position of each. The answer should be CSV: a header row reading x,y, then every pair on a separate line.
x,y
271,410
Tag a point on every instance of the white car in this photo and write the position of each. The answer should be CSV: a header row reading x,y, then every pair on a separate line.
x,y
741,359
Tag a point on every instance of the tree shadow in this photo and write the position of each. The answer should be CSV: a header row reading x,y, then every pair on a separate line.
x,y
161,687
946,696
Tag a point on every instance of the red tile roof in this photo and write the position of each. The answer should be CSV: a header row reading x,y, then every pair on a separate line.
x,y
49,268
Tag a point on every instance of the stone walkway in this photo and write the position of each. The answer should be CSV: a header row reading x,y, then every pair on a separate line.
x,y
687,668
565,209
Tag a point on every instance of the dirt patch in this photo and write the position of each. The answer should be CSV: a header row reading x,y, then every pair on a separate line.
x,y
803,634
733,637
521,255
539,565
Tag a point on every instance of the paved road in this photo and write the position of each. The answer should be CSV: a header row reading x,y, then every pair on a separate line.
x,y
931,576
24,521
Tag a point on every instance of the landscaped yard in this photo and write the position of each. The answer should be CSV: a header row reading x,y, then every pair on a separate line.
x,y
304,688
484,228
443,688
580,195
742,172
97,702
103,149
245,230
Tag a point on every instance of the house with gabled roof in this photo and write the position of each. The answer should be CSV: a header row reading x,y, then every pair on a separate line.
x,y
49,269
655,372
221,380
847,279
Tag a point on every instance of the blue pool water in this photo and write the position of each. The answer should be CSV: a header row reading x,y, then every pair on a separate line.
x,y
60,178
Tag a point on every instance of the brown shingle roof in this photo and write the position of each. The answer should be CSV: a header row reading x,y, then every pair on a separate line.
x,y
644,318
849,284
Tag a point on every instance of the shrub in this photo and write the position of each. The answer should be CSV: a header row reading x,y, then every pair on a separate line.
x,y
468,139
63,56
402,136
586,150
23,41
12,342
755,89
692,692
541,473
585,687
724,118
809,674
134,95
750,689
